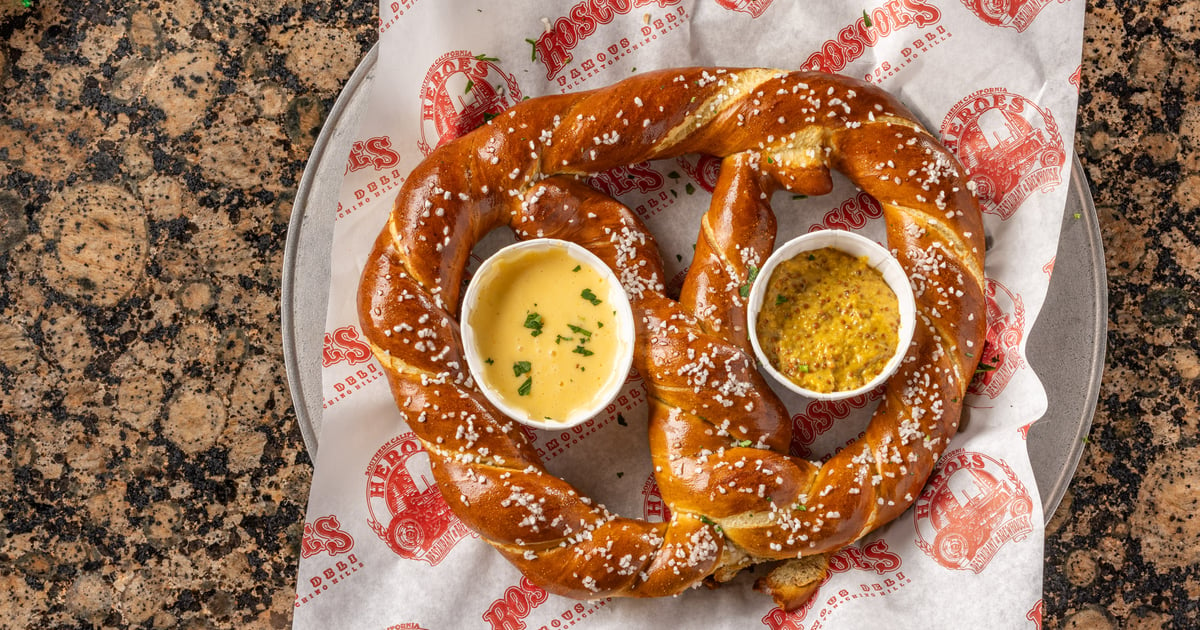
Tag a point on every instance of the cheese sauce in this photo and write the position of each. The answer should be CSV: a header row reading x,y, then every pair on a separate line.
x,y
828,322
546,333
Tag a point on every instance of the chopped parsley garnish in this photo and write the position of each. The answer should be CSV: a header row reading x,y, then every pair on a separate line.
x,y
560,339
521,367
534,322
621,420
577,268
798,506
750,276
470,84
866,19
488,361
533,53
780,299
679,257
488,116
770,160
584,351
673,175
799,196
589,296
804,367
689,189
523,390
744,443
484,57
583,331
620,474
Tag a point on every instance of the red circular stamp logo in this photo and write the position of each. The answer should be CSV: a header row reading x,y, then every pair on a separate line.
x,y
703,168
654,510
1018,14
407,509
754,7
1001,356
1035,614
462,91
972,505
1009,145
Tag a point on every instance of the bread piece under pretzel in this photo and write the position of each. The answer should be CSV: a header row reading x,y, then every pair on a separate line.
x,y
718,436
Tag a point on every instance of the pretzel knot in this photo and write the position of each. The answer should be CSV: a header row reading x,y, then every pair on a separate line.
x,y
719,438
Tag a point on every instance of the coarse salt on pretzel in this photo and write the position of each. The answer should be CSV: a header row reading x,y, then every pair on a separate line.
x,y
718,436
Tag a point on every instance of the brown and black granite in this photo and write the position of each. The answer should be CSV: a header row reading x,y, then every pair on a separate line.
x,y
152,471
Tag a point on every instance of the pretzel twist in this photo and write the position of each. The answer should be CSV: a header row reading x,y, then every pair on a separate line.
x,y
718,436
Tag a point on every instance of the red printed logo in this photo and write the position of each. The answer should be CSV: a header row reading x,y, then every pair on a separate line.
x,y
1018,14
344,344
398,9
461,91
754,7
1009,145
1001,356
703,168
373,152
972,505
1035,614
875,557
333,574
581,22
819,416
853,40
407,509
654,509
509,612
853,214
623,179
325,534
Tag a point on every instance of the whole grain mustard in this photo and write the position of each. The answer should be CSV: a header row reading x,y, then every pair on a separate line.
x,y
828,321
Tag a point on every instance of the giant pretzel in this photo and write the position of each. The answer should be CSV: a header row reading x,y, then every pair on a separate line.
x,y
718,436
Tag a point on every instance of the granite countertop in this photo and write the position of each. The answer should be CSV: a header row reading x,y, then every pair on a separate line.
x,y
154,472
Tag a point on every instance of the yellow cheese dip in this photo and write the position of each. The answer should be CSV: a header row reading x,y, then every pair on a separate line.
x,y
546,333
828,321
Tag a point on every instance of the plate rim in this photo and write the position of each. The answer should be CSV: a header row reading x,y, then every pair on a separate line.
x,y
287,298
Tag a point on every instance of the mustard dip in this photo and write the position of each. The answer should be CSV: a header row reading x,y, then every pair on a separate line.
x,y
546,334
828,321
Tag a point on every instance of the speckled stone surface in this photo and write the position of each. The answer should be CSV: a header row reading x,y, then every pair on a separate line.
x,y
152,469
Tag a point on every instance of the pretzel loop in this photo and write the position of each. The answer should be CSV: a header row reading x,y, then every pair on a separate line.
x,y
718,436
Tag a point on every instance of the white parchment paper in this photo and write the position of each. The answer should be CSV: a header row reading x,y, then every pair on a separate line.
x,y
996,79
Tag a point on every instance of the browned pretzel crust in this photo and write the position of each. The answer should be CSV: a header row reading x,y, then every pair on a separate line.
x,y
718,436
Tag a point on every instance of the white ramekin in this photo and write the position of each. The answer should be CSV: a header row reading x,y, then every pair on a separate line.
x,y
878,258
616,297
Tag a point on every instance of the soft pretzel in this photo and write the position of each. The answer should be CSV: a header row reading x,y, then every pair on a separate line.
x,y
718,436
